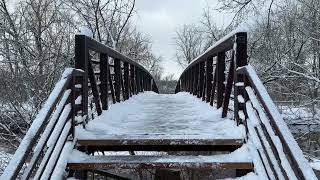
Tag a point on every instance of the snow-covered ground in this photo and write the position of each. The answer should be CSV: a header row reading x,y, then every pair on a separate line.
x,y
300,119
151,113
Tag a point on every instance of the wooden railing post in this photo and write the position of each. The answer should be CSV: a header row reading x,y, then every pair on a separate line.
x,y
209,69
178,86
142,81
220,68
126,80
104,68
111,85
137,72
201,79
228,89
73,106
184,82
240,60
117,79
214,84
81,62
132,79
149,82
94,88
189,78
195,79
154,87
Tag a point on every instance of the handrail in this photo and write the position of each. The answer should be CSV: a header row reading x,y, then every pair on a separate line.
x,y
207,78
70,98
119,80
223,45
101,48
289,148
38,126
206,75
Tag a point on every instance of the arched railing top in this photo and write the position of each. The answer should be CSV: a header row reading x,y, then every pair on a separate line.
x,y
109,73
224,44
96,46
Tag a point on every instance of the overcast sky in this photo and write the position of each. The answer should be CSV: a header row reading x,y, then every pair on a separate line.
x,y
160,18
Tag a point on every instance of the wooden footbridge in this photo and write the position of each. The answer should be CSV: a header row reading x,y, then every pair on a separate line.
x,y
102,120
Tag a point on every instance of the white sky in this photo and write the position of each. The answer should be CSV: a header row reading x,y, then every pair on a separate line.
x,y
159,19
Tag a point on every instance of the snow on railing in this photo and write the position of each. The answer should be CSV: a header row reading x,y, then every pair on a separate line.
x,y
49,111
207,78
289,154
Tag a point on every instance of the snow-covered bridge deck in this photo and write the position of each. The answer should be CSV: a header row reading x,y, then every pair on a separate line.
x,y
174,116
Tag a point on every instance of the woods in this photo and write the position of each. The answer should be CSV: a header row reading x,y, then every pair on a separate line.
x,y
37,44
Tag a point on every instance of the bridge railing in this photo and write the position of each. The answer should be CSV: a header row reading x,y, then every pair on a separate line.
x,y
109,76
100,73
54,122
221,75
282,157
211,75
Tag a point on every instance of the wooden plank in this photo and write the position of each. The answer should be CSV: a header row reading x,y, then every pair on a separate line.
x,y
154,86
126,80
104,80
195,79
201,79
81,62
122,83
141,80
117,79
158,143
209,70
213,89
240,54
228,90
94,87
220,68
191,80
145,140
156,162
132,79
111,85
138,85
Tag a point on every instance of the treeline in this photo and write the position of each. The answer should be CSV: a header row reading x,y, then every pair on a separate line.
x,y
167,84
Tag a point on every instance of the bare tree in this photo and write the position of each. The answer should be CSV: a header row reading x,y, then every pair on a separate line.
x,y
35,46
189,44
106,18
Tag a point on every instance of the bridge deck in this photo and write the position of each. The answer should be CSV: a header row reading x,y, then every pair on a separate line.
x,y
151,115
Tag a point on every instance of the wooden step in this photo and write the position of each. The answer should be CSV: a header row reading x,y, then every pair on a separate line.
x,y
159,143
155,162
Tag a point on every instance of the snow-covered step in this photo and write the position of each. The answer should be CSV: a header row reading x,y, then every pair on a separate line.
x,y
153,162
238,159
159,142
